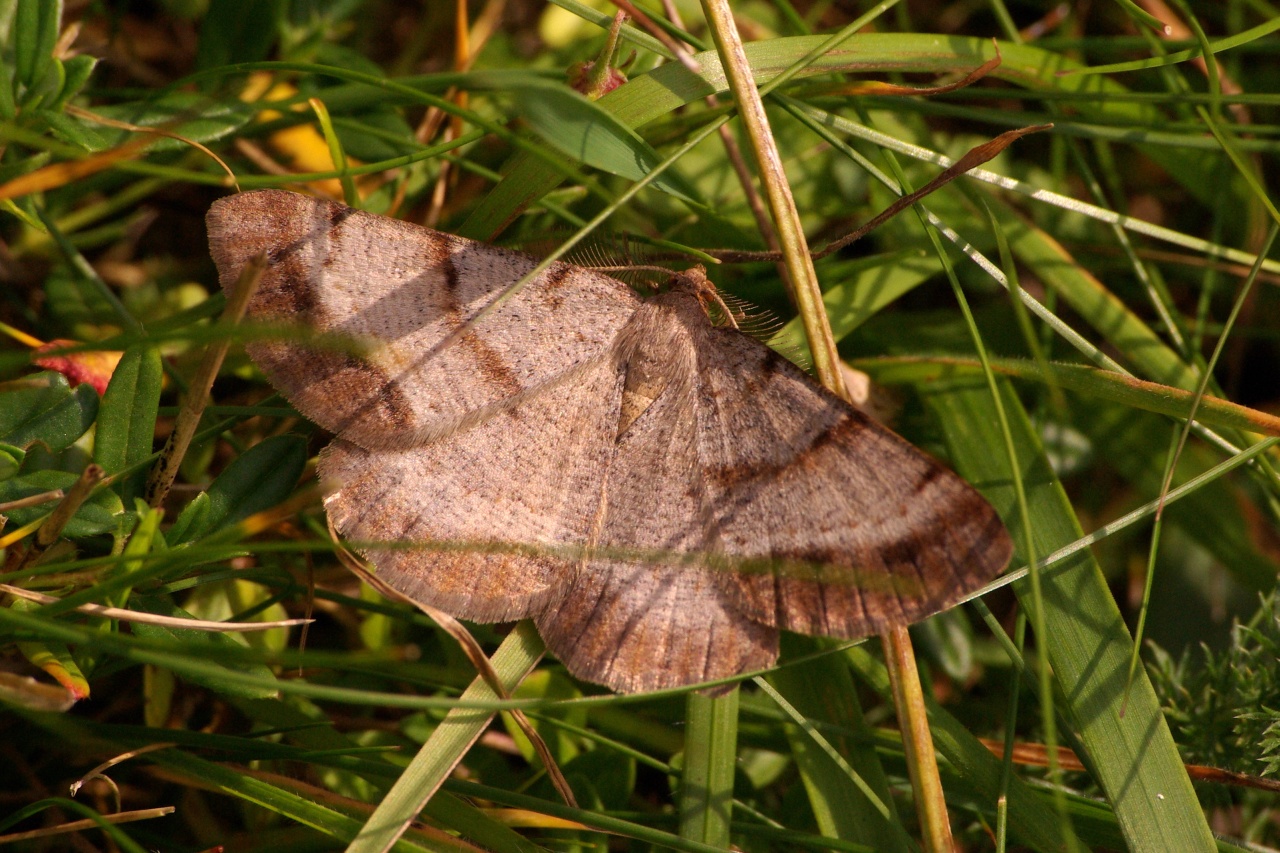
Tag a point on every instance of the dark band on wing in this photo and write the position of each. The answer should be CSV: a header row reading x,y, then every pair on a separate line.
x,y
550,284
989,546
489,362
771,364
850,424
930,475
337,215
286,291
353,392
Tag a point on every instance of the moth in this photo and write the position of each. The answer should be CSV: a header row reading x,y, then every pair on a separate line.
x,y
661,494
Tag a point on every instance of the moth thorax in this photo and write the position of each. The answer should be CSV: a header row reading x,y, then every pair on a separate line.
x,y
645,382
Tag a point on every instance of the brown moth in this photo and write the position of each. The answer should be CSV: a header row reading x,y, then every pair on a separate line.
x,y
661,495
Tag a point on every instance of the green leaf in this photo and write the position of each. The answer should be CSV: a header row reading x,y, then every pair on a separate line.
x,y
72,130
184,114
213,644
193,518
259,479
606,778
1211,515
56,659
101,513
77,69
8,103
145,539
159,685
46,410
238,31
347,58
10,460
579,128
127,416
230,598
946,640
189,9
77,305
376,135
35,32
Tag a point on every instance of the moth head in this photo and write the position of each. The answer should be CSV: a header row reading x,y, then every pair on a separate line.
x,y
694,282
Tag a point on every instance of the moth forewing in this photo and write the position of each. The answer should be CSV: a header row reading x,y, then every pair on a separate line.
x,y
570,429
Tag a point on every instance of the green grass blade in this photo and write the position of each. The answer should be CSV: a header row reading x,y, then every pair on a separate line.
x,y
1101,385
710,759
1133,757
447,745
822,691
1032,820
1099,307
